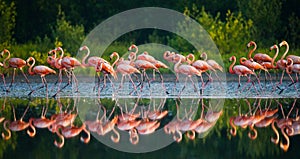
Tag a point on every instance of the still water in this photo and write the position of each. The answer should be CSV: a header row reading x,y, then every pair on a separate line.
x,y
216,141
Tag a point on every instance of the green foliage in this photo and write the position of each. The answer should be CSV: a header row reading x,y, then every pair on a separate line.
x,y
68,36
37,49
229,35
8,22
266,18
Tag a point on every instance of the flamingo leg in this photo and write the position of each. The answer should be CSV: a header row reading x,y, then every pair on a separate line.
x,y
293,83
27,81
3,79
12,80
162,81
43,85
202,84
183,86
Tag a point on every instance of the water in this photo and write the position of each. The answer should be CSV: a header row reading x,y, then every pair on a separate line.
x,y
216,142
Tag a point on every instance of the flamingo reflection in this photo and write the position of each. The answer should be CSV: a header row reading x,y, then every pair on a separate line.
x,y
16,125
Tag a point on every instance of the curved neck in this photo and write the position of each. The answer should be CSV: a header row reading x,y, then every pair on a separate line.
x,y
286,51
177,64
276,140
132,56
233,130
275,56
251,51
61,144
242,60
136,49
115,139
85,57
62,52
7,130
166,54
204,56
188,58
30,68
31,134
117,59
231,66
88,135
285,146
8,56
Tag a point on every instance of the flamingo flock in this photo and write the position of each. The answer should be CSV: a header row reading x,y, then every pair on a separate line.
x,y
268,117
138,121
138,63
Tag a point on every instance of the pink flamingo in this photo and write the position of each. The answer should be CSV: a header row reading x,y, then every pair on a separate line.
x,y
282,63
240,70
144,65
170,57
125,70
69,132
211,62
40,70
52,61
16,125
68,63
187,70
294,58
41,122
15,63
200,65
93,61
258,57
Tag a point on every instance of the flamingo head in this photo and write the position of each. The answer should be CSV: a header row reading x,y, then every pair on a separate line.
x,y
83,48
59,49
113,54
132,47
273,47
283,43
4,51
29,59
250,43
231,58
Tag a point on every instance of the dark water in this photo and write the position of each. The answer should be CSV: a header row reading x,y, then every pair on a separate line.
x,y
216,142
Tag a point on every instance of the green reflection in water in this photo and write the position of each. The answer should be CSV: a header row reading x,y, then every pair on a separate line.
x,y
217,144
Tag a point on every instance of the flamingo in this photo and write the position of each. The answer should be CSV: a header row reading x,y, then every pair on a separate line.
x,y
110,126
258,57
41,122
144,65
55,62
271,65
187,70
283,123
16,125
291,67
69,132
93,61
282,63
15,63
211,62
68,63
125,69
200,65
40,70
240,70
294,58
168,56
